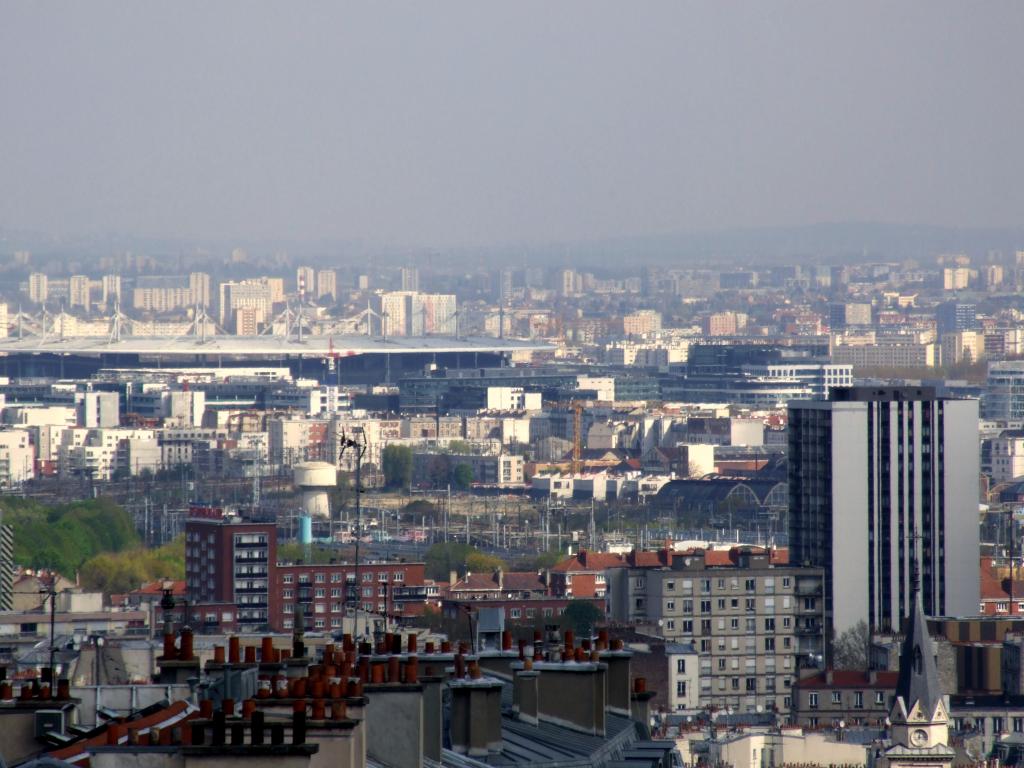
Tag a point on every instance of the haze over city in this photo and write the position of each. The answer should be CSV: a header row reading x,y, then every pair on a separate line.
x,y
511,385
461,124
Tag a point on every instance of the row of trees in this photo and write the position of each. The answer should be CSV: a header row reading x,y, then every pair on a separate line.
x,y
443,470
64,537
118,572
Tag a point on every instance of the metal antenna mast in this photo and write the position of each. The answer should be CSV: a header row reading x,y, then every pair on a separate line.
x,y
359,446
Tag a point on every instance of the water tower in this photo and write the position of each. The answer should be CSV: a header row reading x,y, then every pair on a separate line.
x,y
316,479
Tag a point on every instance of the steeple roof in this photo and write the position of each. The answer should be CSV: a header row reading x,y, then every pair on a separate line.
x,y
918,681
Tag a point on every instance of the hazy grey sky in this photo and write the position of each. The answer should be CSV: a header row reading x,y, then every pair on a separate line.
x,y
439,123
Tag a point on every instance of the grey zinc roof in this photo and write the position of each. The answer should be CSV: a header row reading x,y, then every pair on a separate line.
x,y
918,679
547,744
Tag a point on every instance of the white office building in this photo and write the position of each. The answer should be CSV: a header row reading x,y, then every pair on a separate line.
x,y
875,474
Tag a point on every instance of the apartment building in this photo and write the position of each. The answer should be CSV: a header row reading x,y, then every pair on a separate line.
x,y
852,697
755,620
227,569
328,592
327,284
505,470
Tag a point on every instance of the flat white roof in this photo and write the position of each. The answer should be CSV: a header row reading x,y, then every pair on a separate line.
x,y
271,346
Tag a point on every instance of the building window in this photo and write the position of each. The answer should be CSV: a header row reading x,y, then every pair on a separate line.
x,y
1018,725
751,684
812,700
320,578
769,644
879,697
287,578
837,697
681,666
514,613
858,699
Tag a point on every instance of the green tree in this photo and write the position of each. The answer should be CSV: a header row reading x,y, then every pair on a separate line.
x,y
851,648
292,552
582,615
462,476
341,496
439,470
481,562
420,508
63,537
396,463
546,560
443,558
460,448
113,572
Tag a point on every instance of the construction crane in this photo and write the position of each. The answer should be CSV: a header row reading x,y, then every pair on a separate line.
x,y
576,406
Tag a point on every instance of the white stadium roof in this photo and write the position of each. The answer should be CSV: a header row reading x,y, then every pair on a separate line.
x,y
342,345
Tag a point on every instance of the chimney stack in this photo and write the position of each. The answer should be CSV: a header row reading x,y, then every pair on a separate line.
x,y
476,716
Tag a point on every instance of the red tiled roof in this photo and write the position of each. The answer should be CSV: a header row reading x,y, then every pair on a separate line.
x,y
157,587
849,678
589,561
647,558
516,581
994,587
524,581
78,752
